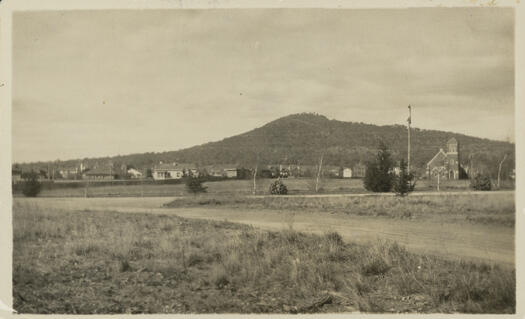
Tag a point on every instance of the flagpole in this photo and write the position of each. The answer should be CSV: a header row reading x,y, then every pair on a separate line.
x,y
409,122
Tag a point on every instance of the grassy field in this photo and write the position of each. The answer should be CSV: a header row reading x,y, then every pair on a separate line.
x,y
239,187
485,209
107,262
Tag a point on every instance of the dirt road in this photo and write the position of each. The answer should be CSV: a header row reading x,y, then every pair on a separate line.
x,y
490,243
466,241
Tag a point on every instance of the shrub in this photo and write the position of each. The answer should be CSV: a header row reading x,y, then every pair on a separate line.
x,y
278,188
481,182
194,185
31,187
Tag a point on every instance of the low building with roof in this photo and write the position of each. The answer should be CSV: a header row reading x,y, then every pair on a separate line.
x,y
99,173
222,170
69,172
174,171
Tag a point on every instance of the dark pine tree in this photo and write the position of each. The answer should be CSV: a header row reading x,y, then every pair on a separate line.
x,y
404,183
378,175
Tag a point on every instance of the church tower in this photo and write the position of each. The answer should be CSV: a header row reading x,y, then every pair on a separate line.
x,y
452,146
453,158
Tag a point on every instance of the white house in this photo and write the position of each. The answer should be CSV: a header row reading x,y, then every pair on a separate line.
x,y
69,173
230,172
134,173
174,171
347,172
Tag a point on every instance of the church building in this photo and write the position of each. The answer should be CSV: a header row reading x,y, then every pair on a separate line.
x,y
445,164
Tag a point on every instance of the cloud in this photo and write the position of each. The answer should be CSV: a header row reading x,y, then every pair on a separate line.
x,y
166,79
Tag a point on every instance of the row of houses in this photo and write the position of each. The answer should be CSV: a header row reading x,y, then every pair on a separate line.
x,y
357,171
179,170
165,171
446,164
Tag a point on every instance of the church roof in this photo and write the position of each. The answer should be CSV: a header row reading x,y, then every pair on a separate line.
x,y
438,159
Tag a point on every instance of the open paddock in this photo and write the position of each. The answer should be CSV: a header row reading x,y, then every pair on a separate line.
x,y
231,187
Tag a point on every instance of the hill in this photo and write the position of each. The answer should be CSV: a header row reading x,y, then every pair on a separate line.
x,y
302,138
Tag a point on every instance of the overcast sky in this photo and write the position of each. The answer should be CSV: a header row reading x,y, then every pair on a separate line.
x,y
98,83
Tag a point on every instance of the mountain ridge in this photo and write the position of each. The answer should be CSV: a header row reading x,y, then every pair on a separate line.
x,y
301,139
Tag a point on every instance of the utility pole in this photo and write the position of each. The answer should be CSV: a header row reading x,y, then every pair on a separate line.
x,y
440,171
409,121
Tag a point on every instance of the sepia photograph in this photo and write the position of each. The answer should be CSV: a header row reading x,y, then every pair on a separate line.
x,y
263,161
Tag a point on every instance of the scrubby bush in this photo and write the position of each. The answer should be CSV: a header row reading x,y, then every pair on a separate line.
x,y
31,187
194,185
278,188
481,182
